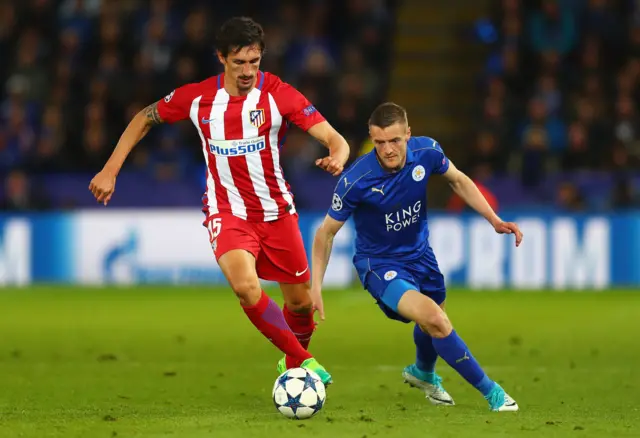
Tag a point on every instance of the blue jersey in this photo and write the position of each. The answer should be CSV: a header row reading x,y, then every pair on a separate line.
x,y
390,208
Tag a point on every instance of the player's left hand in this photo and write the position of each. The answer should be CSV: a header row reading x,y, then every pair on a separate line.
x,y
318,305
331,164
509,228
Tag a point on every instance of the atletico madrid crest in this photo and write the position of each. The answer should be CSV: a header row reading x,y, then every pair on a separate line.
x,y
256,117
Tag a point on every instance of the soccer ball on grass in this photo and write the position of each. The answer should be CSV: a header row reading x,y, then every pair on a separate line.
x,y
298,393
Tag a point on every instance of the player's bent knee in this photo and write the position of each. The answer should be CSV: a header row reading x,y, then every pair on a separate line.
x,y
247,290
436,324
297,297
300,306
299,303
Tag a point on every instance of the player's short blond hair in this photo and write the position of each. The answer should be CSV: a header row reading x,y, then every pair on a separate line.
x,y
387,114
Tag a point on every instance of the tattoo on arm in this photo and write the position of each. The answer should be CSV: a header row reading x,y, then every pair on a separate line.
x,y
152,115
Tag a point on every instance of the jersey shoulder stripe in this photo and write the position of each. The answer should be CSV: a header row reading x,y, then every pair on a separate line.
x,y
424,143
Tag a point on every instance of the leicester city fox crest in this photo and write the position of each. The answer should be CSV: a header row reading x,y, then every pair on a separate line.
x,y
256,117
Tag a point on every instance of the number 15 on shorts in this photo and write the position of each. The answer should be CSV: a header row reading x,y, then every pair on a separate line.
x,y
214,227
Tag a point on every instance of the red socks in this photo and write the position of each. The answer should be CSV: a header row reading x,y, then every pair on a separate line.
x,y
267,316
302,325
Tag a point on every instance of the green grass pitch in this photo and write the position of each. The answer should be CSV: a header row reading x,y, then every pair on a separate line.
x,y
185,362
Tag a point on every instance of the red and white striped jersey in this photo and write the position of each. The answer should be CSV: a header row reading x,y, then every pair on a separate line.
x,y
241,139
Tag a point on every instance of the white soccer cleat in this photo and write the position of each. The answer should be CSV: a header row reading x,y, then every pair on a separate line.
x,y
430,383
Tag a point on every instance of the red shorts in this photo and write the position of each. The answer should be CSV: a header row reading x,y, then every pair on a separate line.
x,y
276,245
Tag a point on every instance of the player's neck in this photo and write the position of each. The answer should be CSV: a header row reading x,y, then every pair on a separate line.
x,y
232,88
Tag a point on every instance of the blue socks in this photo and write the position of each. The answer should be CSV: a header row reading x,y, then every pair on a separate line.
x,y
426,354
455,352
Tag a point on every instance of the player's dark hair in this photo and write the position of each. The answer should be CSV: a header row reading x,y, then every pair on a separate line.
x,y
387,114
239,32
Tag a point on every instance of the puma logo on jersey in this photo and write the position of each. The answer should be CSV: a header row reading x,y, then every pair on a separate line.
x,y
379,190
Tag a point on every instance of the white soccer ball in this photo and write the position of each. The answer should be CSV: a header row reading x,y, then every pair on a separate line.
x,y
299,393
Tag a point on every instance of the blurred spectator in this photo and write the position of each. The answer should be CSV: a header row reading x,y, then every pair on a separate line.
x,y
488,152
26,68
535,151
20,195
53,136
17,138
597,128
569,198
539,117
624,195
576,80
553,28
627,122
634,42
493,117
620,159
548,93
601,20
578,154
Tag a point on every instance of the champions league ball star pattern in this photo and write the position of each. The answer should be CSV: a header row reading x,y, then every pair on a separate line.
x,y
299,393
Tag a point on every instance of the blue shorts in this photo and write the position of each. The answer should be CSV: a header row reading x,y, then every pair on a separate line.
x,y
388,279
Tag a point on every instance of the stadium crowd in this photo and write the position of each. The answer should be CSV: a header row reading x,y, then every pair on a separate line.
x,y
74,72
559,119
558,125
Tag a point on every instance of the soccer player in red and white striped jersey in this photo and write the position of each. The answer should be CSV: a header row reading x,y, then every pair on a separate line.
x,y
242,116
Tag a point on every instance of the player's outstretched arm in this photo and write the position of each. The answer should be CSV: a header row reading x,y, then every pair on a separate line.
x,y
322,244
339,150
103,184
464,187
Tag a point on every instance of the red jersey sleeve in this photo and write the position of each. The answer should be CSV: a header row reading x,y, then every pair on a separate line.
x,y
176,105
295,107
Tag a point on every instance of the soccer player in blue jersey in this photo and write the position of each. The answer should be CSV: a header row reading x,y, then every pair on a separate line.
x,y
385,192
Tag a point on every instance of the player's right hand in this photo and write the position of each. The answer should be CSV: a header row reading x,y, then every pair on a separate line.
x,y
316,299
509,228
331,165
103,185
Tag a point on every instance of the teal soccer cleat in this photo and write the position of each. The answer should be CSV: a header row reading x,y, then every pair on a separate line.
x,y
500,401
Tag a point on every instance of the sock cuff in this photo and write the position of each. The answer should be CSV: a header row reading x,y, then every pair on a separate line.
x,y
260,306
453,334
439,341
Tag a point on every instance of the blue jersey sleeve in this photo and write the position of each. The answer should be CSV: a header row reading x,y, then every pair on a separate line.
x,y
345,199
435,159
